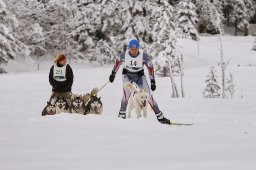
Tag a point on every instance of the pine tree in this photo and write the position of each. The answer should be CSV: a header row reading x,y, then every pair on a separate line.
x,y
186,20
10,46
210,20
105,54
164,37
137,19
227,8
251,11
212,89
45,25
164,45
254,45
230,87
240,16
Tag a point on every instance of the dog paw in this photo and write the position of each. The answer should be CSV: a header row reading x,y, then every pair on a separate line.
x,y
139,116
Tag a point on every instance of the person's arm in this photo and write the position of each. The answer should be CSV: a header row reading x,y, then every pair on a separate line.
x,y
51,79
118,63
148,63
69,76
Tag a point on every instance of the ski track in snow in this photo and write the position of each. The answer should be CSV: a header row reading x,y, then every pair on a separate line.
x,y
223,135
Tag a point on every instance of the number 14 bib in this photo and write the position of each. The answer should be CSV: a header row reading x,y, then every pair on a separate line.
x,y
134,61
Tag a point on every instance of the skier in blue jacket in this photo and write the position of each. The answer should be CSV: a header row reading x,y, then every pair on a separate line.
x,y
134,60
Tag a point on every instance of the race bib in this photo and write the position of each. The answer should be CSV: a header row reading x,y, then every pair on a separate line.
x,y
59,73
134,62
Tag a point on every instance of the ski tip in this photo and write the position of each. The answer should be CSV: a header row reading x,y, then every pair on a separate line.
x,y
181,124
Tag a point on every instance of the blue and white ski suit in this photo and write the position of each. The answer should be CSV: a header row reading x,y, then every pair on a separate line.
x,y
133,71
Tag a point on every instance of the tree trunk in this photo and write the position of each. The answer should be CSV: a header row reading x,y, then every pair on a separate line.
x,y
246,30
174,87
165,71
236,29
181,76
223,65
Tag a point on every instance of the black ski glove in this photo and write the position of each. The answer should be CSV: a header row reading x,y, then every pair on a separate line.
x,y
153,85
112,77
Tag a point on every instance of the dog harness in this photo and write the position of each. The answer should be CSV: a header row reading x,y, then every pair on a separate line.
x,y
59,73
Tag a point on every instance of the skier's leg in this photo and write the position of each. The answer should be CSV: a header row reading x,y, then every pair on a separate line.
x,y
124,101
152,102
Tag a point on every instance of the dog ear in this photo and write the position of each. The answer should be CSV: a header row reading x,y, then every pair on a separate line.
x,y
59,98
48,103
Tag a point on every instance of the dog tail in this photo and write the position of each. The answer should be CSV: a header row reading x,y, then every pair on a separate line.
x,y
130,86
86,98
94,91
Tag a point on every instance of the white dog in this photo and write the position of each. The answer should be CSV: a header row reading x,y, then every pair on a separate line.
x,y
137,100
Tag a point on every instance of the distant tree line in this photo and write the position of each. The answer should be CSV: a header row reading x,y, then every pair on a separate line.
x,y
96,30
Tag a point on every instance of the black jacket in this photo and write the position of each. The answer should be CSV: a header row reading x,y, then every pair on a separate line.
x,y
62,86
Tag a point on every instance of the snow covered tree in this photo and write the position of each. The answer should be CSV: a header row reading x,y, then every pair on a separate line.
x,y
212,89
227,10
103,53
137,20
10,46
76,27
210,20
164,42
186,20
254,45
114,22
230,87
240,16
223,65
44,25
164,46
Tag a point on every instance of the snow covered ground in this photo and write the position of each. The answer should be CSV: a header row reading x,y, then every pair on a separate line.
x,y
222,138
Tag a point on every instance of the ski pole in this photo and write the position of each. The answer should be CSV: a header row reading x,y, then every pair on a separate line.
x,y
153,102
101,88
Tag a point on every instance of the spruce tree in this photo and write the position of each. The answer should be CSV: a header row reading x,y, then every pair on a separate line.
x,y
164,46
240,16
212,89
186,20
10,46
230,87
254,45
210,20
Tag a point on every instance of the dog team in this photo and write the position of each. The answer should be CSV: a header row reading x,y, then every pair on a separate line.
x,y
80,104
136,91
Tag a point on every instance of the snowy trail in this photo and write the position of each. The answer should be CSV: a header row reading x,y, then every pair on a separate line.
x,y
223,135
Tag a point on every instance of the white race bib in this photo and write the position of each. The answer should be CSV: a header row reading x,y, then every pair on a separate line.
x,y
134,63
59,73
